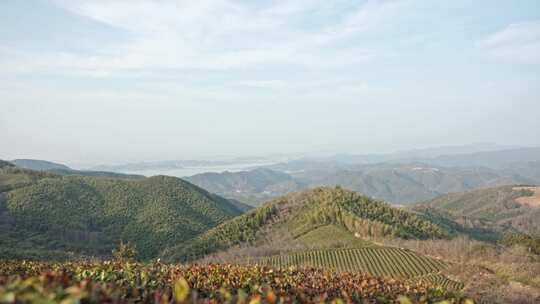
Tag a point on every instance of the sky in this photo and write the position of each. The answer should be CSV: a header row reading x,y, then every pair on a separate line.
x,y
120,81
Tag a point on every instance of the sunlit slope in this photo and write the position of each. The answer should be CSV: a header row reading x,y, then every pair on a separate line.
x,y
497,209
294,216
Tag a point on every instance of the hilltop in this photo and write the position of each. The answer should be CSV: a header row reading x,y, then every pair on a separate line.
x,y
308,216
47,215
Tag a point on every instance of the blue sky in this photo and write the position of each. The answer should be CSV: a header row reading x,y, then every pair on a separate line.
x,y
116,81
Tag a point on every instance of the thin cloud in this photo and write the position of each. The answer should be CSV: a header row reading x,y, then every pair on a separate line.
x,y
212,35
517,43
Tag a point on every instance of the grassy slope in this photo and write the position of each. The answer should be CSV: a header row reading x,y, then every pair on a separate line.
x,y
89,215
331,236
298,214
489,209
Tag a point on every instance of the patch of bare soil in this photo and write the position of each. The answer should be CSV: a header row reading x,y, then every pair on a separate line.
x,y
487,288
531,201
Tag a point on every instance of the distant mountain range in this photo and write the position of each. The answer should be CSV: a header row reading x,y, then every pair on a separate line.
x,y
410,155
402,178
43,165
492,159
168,165
159,165
38,165
396,182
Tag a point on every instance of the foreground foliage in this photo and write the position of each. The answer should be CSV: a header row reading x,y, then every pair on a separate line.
x,y
115,282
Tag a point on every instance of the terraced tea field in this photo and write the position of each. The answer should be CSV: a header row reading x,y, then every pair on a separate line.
x,y
376,261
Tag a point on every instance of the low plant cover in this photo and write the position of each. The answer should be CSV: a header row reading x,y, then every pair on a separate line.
x,y
377,261
117,282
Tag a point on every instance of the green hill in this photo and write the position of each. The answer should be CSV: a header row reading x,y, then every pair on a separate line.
x,y
44,213
299,214
492,210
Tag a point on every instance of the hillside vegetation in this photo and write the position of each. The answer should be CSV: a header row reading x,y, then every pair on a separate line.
x,y
298,214
495,209
12,177
43,213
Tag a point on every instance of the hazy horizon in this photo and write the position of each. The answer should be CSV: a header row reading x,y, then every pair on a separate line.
x,y
248,162
101,82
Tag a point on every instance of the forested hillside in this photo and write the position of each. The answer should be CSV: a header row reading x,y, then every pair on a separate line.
x,y
12,177
44,214
291,217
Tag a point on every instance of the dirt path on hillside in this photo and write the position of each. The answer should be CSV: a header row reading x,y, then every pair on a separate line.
x,y
531,201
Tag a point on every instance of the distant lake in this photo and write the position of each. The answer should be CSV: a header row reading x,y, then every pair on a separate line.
x,y
189,171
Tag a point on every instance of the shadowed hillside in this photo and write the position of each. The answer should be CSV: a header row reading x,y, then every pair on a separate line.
x,y
44,213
